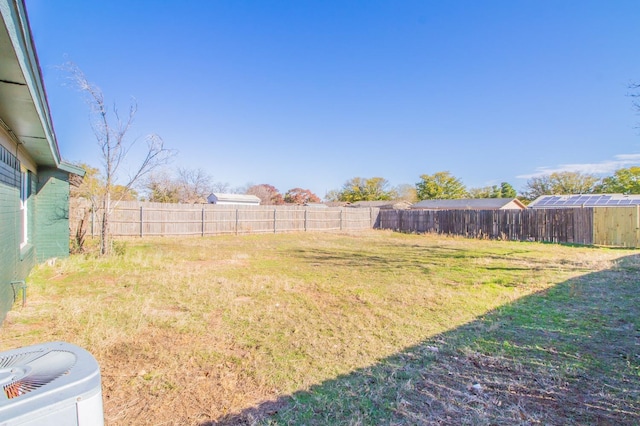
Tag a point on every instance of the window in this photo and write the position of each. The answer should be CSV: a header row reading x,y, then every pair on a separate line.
x,y
25,186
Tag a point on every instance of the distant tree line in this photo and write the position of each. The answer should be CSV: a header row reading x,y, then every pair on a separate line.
x,y
194,186
444,185
186,186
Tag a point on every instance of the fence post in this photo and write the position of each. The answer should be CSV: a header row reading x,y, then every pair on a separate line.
x,y
203,221
237,218
274,220
141,222
341,212
305,219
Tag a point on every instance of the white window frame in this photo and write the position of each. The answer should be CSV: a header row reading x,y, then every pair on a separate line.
x,y
24,207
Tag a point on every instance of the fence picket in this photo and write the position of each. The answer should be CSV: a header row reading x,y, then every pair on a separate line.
x,y
554,225
132,218
604,226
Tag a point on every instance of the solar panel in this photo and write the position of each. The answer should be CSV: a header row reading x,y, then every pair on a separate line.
x,y
587,200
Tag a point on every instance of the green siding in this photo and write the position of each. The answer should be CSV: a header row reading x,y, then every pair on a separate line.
x,y
48,209
14,263
8,255
52,214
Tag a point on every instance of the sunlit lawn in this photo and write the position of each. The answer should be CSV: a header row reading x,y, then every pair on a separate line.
x,y
193,330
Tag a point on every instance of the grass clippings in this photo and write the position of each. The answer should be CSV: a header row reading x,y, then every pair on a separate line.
x,y
370,328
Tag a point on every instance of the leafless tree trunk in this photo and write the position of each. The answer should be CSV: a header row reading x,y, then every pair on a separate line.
x,y
111,133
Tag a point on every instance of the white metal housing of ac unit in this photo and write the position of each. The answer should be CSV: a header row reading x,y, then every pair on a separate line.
x,y
53,383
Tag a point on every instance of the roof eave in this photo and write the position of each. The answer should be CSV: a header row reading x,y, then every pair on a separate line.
x,y
43,147
72,168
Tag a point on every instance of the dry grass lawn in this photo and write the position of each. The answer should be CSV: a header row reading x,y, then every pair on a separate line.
x,y
366,328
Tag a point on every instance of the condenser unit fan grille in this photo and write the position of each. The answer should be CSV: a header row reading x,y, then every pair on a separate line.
x,y
54,383
25,372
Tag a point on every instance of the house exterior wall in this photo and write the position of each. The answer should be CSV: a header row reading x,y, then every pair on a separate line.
x,y
52,214
237,203
33,209
9,210
15,261
513,205
47,218
47,221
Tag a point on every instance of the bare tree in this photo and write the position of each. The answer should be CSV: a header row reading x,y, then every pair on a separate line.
x,y
111,132
407,192
160,187
635,95
221,187
560,183
195,185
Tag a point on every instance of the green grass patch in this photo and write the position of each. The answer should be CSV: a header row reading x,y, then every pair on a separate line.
x,y
370,328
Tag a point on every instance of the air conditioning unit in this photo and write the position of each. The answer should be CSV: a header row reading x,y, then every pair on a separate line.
x,y
53,383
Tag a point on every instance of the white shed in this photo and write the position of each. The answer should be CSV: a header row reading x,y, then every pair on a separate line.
x,y
233,199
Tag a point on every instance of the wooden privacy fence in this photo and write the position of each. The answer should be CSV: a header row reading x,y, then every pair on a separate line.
x,y
161,219
610,226
552,225
607,226
617,226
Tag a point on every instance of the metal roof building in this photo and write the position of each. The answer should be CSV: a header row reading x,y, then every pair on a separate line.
x,y
584,200
397,204
233,199
471,204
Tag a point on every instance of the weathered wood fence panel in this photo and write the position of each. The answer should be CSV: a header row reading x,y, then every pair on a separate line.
x,y
552,225
156,219
611,226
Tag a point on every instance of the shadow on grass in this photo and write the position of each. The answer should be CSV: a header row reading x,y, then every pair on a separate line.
x,y
568,355
391,259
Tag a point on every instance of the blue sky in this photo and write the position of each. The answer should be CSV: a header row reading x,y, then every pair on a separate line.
x,y
313,93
